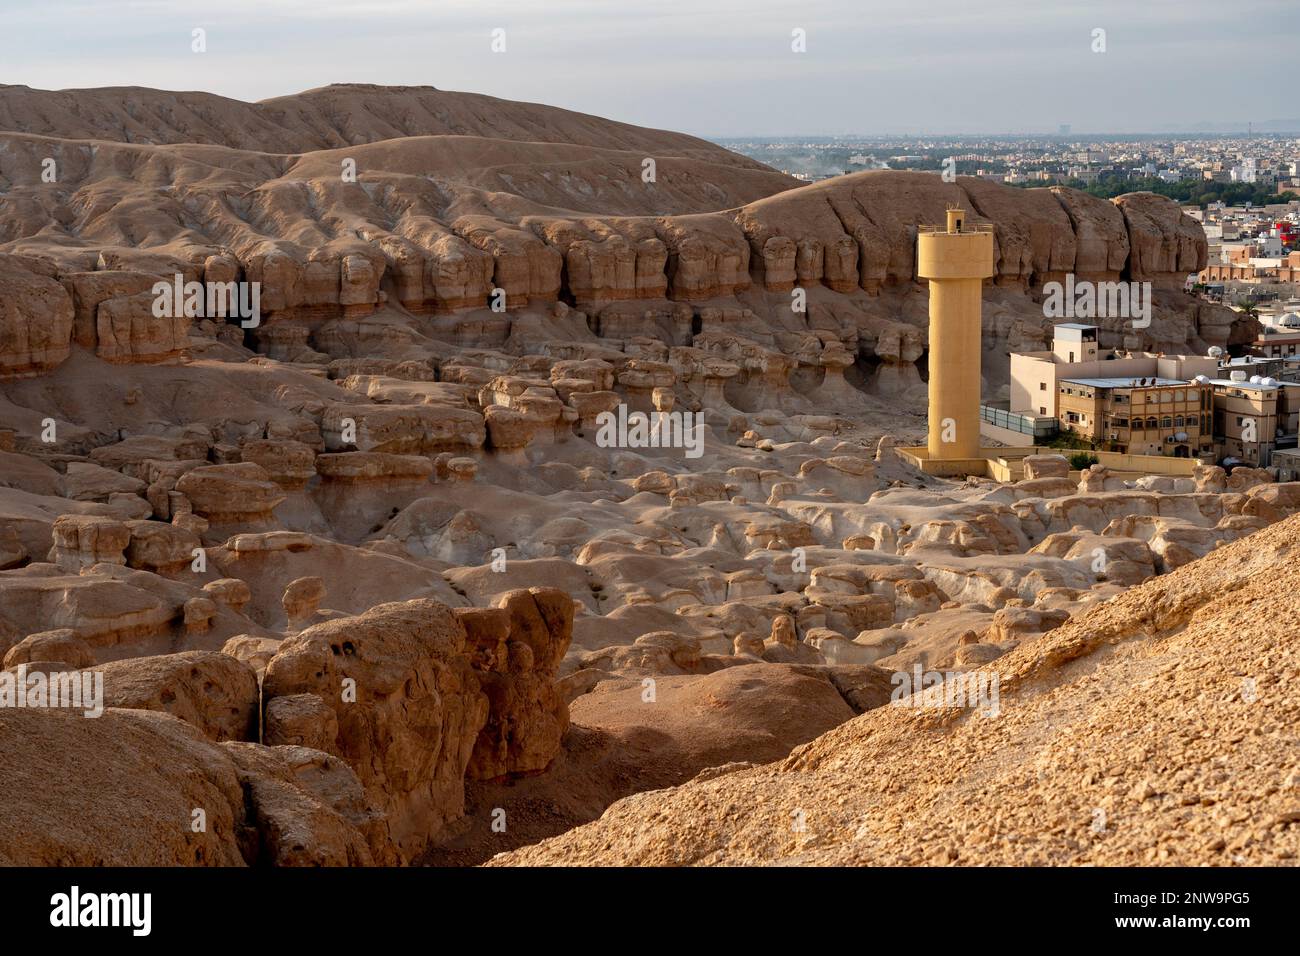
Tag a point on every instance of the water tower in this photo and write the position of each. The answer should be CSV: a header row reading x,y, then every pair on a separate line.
x,y
956,262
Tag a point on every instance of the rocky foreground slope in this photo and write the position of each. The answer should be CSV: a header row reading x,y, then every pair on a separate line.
x,y
1155,728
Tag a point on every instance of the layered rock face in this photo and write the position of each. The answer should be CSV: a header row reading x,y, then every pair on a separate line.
x,y
328,249
850,239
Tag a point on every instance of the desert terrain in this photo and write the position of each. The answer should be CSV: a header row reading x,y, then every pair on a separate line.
x,y
367,586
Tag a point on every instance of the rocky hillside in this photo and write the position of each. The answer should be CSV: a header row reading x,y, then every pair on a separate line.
x,y
1154,728
339,214
342,114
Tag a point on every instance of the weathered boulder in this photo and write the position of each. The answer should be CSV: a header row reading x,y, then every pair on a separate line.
x,y
290,464
408,705
82,541
516,650
213,691
36,316
234,494
160,547
125,789
61,646
301,719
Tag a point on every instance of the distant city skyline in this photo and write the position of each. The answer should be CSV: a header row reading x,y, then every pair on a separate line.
x,y
724,69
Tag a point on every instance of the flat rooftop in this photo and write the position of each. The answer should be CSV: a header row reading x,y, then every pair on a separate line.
x,y
1257,385
1125,382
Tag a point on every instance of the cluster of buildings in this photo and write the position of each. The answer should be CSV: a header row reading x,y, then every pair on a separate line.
x,y
1253,252
1269,162
1211,407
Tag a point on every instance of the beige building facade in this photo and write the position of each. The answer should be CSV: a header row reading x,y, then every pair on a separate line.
x,y
1255,417
1165,417
1036,376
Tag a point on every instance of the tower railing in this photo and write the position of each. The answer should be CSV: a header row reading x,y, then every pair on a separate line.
x,y
927,228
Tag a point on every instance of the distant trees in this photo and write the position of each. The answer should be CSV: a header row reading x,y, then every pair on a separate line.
x,y
1192,192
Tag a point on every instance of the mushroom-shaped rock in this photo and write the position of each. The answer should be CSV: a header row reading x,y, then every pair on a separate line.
x,y
82,541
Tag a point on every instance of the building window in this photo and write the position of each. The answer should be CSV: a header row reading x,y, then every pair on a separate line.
x,y
1152,423
1193,421
1042,410
1178,421
1166,422
1042,386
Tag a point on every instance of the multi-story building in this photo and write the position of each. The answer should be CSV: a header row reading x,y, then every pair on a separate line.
x,y
1243,265
1148,416
1239,409
1254,416
1287,463
1075,354
1277,343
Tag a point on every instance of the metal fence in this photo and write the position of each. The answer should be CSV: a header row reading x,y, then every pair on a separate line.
x,y
1036,425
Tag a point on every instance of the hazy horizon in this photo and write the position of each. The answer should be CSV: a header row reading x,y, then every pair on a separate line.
x,y
728,71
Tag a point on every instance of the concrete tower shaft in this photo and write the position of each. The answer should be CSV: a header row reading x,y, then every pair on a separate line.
x,y
956,262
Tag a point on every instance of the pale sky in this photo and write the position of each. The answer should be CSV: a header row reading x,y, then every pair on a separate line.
x,y
709,67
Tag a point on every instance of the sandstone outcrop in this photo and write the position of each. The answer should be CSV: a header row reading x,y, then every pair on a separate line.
x,y
124,790
407,704
212,691
1177,631
516,650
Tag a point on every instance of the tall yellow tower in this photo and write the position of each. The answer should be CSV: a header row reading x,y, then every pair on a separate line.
x,y
956,263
